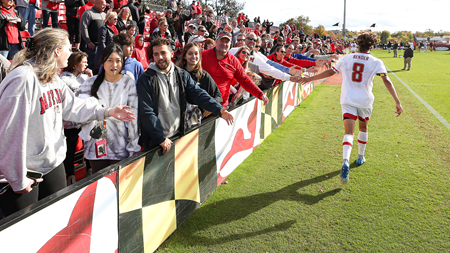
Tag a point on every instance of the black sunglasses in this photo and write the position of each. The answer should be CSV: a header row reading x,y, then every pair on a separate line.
x,y
252,39
283,52
257,46
240,39
244,52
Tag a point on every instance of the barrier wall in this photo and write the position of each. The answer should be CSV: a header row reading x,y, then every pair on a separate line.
x,y
133,206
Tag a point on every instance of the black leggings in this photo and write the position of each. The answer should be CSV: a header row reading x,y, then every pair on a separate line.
x,y
71,141
73,25
11,202
98,165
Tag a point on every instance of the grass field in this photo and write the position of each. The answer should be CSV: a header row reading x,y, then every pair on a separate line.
x,y
286,197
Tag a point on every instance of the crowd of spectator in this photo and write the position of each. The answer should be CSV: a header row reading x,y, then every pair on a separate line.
x,y
114,77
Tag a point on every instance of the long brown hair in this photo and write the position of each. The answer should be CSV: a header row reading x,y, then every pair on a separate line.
x,y
182,62
74,59
41,53
244,64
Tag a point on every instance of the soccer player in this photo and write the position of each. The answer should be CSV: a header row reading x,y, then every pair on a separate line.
x,y
358,71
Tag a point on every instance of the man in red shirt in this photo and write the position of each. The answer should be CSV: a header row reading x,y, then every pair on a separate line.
x,y
223,67
199,9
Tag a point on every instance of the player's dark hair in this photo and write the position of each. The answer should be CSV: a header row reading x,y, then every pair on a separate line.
x,y
366,41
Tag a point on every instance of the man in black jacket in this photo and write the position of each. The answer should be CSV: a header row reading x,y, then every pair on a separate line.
x,y
395,47
73,23
407,57
163,91
179,19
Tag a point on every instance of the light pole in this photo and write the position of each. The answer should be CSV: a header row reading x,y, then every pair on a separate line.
x,y
343,29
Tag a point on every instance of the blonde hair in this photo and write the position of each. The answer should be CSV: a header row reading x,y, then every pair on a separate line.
x,y
111,14
40,53
129,15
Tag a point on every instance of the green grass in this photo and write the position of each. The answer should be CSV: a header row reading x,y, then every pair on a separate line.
x,y
286,197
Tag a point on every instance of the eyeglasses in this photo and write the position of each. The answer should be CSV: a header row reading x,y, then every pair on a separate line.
x,y
257,46
252,39
283,52
202,31
245,52
165,25
114,18
240,39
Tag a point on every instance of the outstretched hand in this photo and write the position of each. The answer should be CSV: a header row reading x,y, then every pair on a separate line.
x,y
226,115
265,99
121,114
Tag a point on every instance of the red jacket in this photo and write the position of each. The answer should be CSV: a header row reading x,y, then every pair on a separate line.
x,y
302,63
224,71
140,53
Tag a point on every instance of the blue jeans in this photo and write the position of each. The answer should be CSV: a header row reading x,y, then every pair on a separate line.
x,y
91,57
14,48
46,16
180,38
29,14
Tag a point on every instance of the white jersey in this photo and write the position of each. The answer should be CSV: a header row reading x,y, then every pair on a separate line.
x,y
358,71
353,45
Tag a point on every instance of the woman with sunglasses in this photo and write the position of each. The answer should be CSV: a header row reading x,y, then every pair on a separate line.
x,y
243,55
191,61
10,26
163,32
105,36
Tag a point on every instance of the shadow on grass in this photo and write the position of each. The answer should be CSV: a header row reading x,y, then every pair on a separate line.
x,y
399,70
233,209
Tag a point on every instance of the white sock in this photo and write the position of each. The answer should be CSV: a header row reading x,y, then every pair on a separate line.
x,y
347,144
362,142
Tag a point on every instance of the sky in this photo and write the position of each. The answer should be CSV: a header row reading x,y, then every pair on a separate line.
x,y
390,15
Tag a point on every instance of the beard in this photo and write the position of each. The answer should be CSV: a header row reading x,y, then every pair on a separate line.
x,y
163,65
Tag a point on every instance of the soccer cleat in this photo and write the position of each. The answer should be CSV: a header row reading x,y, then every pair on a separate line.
x,y
344,172
361,161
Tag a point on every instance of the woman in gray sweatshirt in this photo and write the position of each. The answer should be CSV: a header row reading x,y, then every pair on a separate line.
x,y
34,104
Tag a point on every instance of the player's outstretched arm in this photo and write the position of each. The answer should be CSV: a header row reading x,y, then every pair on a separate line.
x,y
390,87
324,74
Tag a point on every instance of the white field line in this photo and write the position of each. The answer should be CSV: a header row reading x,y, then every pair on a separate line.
x,y
431,109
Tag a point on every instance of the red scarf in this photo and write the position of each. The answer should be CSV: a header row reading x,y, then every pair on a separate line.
x,y
113,27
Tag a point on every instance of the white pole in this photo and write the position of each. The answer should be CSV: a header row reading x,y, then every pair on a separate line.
x,y
343,29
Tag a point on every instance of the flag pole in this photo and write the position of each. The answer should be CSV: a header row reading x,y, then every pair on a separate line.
x,y
343,29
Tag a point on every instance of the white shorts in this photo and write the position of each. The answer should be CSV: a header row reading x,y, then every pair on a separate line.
x,y
350,112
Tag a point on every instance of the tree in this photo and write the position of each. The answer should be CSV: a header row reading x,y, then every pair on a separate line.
x,y
428,33
385,36
320,30
232,7
299,22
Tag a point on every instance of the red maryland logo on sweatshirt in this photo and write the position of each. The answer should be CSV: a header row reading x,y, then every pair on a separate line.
x,y
53,97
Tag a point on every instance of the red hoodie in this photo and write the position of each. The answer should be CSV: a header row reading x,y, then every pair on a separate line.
x,y
140,52
224,71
